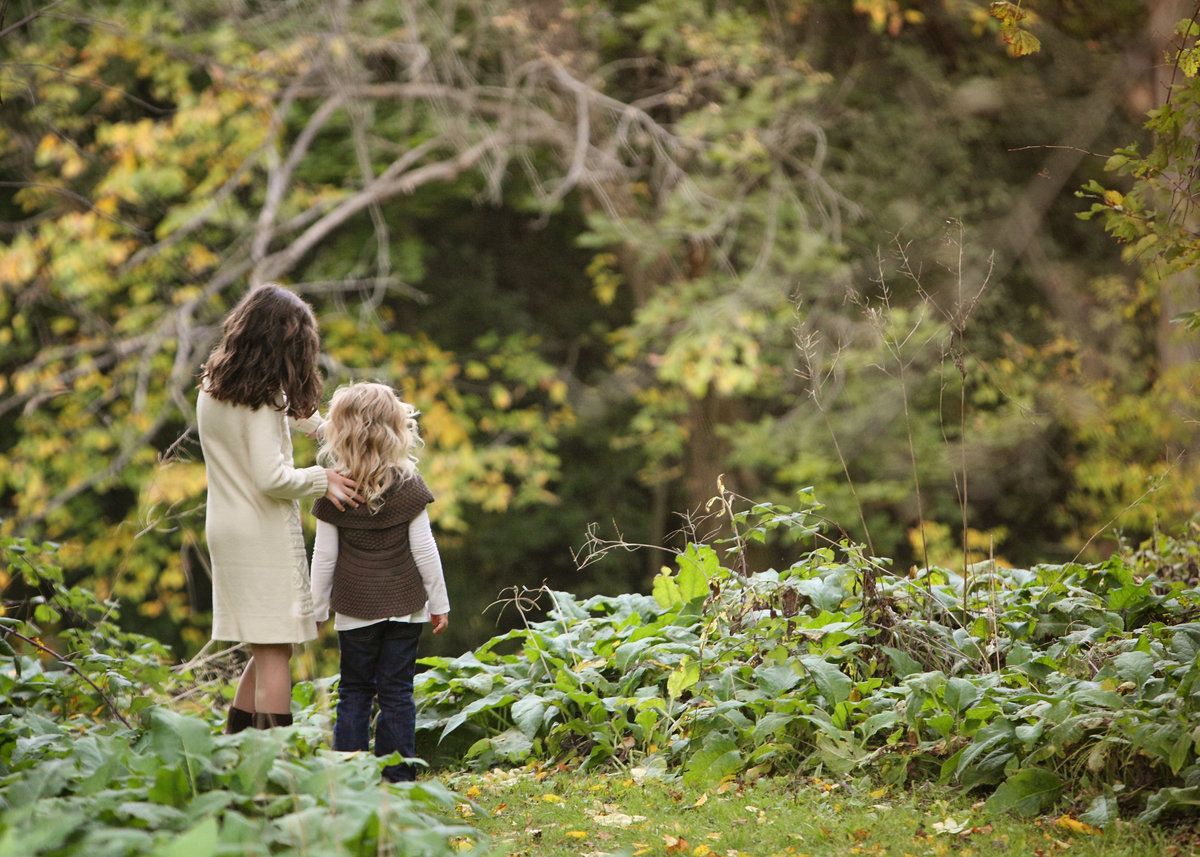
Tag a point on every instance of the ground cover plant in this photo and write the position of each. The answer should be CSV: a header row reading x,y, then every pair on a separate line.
x,y
1061,687
94,761
867,712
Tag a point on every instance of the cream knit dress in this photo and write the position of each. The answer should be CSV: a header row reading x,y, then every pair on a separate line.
x,y
260,578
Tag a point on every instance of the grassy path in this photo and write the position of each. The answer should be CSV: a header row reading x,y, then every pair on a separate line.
x,y
533,813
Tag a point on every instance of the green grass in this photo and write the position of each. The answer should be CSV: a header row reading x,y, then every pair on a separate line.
x,y
530,812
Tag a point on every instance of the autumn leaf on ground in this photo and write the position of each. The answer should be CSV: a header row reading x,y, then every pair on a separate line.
x,y
618,819
675,844
1076,826
950,826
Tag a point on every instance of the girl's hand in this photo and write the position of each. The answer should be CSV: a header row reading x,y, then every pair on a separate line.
x,y
341,489
439,621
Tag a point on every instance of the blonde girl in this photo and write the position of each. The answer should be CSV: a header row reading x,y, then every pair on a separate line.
x,y
377,567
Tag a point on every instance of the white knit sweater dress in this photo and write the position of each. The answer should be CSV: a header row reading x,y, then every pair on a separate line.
x,y
260,577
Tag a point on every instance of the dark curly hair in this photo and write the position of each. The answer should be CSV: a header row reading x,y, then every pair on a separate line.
x,y
269,346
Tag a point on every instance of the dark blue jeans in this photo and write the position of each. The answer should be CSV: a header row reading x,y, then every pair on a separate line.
x,y
378,663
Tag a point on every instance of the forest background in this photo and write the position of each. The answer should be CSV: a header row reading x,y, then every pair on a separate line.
x,y
622,256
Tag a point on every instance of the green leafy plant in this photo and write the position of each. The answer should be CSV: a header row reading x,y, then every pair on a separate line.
x,y
92,762
1060,682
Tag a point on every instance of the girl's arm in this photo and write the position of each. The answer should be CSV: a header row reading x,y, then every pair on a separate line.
x,y
324,558
311,426
429,563
272,472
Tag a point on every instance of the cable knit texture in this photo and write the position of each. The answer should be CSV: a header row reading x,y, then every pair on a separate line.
x,y
376,575
261,590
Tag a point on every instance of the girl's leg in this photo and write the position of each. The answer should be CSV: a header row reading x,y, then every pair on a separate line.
x,y
241,713
396,730
244,698
356,688
272,684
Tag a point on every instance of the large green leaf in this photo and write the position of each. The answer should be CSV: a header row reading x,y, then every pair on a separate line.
x,y
960,694
1027,792
528,713
833,684
1136,667
719,758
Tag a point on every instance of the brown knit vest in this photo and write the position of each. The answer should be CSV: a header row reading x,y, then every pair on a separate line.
x,y
376,576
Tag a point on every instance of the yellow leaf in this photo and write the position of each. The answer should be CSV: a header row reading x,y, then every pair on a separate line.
x,y
552,798
589,664
701,801
1113,198
1076,826
618,819
576,834
200,258
675,844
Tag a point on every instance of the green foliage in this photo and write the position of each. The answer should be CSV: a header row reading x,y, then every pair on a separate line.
x,y
172,787
93,762
1011,16
1072,681
105,669
1154,217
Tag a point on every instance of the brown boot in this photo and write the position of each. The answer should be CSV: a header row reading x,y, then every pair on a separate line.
x,y
237,720
266,720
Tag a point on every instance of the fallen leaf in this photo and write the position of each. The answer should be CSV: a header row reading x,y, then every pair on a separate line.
x,y
552,798
618,819
700,801
1076,826
950,826
675,844
592,664
576,834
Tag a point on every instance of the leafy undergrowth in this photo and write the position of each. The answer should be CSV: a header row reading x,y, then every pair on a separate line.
x,y
1061,688
93,763
537,812
827,708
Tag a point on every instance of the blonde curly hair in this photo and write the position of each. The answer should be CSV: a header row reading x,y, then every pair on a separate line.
x,y
370,435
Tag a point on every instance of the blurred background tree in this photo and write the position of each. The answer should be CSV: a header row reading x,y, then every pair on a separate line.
x,y
611,251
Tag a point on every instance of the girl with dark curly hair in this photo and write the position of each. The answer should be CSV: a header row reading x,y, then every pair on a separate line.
x,y
260,383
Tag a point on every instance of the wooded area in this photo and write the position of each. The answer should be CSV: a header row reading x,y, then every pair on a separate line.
x,y
621,256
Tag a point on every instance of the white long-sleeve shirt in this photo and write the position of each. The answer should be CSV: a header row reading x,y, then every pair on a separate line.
x,y
425,554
